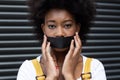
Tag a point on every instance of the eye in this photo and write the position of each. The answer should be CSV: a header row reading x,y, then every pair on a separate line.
x,y
51,26
67,26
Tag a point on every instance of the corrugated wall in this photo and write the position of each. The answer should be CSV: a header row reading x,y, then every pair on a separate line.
x,y
18,41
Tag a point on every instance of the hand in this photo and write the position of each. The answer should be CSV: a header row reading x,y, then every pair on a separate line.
x,y
72,59
51,72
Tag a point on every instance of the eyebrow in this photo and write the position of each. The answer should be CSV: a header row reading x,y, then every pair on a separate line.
x,y
68,20
50,21
63,21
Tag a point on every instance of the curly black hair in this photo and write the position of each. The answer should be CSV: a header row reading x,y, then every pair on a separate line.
x,y
83,12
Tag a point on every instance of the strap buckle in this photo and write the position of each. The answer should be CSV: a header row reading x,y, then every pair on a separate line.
x,y
41,77
86,76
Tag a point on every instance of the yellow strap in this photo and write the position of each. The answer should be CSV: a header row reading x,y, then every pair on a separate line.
x,y
39,72
87,74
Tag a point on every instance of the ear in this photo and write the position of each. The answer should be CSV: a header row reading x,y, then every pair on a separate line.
x,y
43,28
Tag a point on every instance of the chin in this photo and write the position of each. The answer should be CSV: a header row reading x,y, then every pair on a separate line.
x,y
60,49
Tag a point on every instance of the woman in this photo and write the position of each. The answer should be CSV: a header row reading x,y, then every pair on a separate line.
x,y
61,22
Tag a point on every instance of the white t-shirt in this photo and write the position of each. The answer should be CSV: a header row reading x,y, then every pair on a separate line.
x,y
27,71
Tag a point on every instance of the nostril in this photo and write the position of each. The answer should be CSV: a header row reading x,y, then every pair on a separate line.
x,y
59,33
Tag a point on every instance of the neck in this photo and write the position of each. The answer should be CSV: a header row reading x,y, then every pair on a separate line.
x,y
59,56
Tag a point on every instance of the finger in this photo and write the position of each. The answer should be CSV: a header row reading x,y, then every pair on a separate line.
x,y
44,46
77,48
77,45
71,51
48,51
77,51
54,58
49,56
78,38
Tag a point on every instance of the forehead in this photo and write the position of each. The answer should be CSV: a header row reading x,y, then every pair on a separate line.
x,y
58,14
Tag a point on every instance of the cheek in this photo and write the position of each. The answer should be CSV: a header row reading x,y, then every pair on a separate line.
x,y
49,32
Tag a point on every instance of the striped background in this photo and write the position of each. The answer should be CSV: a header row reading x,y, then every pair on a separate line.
x,y
18,41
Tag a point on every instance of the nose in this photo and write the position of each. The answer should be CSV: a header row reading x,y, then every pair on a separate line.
x,y
60,32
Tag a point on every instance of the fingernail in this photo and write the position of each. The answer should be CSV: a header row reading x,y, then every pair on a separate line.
x,y
44,36
74,37
72,40
77,33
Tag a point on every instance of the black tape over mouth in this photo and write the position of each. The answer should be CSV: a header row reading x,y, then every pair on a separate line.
x,y
60,42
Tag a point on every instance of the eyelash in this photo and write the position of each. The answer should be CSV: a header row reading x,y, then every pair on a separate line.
x,y
51,26
68,25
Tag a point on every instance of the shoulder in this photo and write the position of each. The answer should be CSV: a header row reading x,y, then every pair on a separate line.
x,y
97,65
27,71
94,63
97,69
26,65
